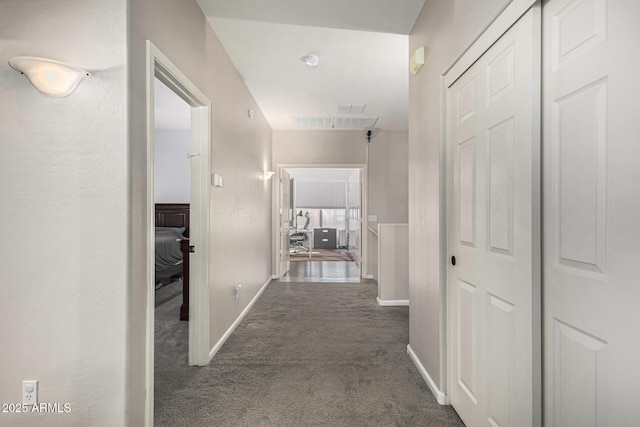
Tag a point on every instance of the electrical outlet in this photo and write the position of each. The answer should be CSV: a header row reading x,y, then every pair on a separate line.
x,y
30,392
238,288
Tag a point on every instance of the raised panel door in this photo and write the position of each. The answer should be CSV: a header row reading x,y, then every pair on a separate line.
x,y
591,211
493,147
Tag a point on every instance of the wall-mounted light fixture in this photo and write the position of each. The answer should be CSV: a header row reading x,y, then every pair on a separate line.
x,y
53,78
268,174
417,61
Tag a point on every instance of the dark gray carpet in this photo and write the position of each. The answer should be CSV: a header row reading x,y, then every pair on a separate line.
x,y
307,354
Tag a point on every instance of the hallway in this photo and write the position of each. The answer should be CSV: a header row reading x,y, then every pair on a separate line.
x,y
322,272
307,354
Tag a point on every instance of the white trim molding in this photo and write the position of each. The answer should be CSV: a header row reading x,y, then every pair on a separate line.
x,y
500,25
439,395
235,324
392,302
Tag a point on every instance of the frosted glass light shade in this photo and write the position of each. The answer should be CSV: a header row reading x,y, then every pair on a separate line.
x,y
53,78
312,60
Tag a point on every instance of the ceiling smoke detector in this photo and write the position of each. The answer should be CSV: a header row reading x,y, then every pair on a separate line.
x,y
311,60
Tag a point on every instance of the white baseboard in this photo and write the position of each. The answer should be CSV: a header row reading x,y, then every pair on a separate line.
x,y
392,302
368,276
440,396
229,331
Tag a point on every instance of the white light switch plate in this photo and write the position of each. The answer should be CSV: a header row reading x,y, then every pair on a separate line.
x,y
216,180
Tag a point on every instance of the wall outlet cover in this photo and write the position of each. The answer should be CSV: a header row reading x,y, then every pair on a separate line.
x,y
30,392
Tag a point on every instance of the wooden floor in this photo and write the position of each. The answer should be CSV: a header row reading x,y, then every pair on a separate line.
x,y
323,271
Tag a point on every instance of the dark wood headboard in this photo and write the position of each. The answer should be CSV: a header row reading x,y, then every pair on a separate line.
x,y
173,215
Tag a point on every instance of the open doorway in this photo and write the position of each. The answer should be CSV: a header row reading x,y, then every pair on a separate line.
x,y
321,227
164,79
172,196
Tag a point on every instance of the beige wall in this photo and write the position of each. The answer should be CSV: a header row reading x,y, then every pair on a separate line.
x,y
387,169
446,29
388,176
241,150
388,186
63,186
327,147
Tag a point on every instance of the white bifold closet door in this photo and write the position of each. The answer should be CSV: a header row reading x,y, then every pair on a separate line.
x,y
591,80
494,234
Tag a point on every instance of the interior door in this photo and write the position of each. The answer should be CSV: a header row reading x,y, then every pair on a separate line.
x,y
494,287
285,221
591,212
354,223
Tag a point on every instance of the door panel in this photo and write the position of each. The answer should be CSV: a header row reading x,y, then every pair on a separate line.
x,y
591,211
285,221
500,341
493,173
467,192
354,213
500,188
467,356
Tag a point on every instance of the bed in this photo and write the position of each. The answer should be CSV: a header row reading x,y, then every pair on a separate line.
x,y
172,248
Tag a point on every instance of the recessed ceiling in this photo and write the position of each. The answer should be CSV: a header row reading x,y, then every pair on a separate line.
x,y
362,47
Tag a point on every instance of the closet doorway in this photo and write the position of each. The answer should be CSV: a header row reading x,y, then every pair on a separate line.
x,y
493,141
320,223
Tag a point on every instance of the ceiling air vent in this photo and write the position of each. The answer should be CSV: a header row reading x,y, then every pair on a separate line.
x,y
351,108
334,122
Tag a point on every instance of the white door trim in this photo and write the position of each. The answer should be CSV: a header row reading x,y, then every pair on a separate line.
x,y
509,16
276,210
503,22
158,65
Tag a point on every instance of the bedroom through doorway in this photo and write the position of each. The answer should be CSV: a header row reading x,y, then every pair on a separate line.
x,y
172,197
186,221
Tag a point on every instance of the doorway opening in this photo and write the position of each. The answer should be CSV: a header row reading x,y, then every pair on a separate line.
x,y
164,79
172,195
320,223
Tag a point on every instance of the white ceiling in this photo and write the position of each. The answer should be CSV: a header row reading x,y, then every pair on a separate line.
x,y
362,45
383,16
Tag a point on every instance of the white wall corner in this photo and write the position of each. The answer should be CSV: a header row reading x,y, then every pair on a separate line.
x,y
439,395
235,324
392,302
